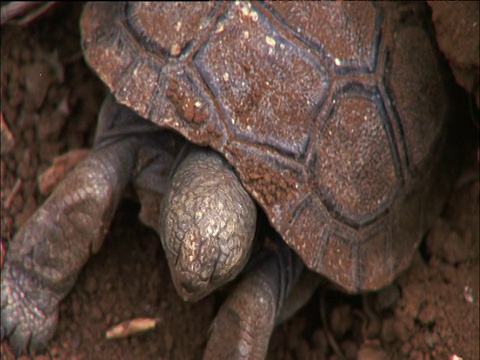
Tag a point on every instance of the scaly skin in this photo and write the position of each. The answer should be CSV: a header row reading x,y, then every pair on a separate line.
x,y
207,225
244,323
48,252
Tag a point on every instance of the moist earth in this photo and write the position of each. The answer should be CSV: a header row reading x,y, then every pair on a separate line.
x,y
49,103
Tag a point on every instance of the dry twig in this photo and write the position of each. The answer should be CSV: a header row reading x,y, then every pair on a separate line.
x,y
130,327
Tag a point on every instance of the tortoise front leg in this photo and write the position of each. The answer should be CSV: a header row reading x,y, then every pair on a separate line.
x,y
47,253
244,323
50,249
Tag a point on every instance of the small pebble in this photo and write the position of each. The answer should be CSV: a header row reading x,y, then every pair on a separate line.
x,y
96,313
387,297
371,352
319,341
91,284
468,294
431,339
388,333
349,349
302,349
449,272
427,315
405,349
341,320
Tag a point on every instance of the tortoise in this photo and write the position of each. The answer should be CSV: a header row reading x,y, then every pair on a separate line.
x,y
330,118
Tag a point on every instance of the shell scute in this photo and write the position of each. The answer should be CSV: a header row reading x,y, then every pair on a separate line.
x,y
332,114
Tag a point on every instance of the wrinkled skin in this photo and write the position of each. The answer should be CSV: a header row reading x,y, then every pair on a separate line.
x,y
206,223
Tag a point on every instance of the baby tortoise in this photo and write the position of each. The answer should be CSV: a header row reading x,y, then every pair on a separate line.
x,y
330,116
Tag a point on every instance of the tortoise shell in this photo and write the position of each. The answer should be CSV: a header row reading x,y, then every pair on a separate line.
x,y
332,114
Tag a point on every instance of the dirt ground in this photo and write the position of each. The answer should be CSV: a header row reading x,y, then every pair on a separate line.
x,y
430,312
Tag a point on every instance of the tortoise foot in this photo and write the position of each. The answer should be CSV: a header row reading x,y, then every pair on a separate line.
x,y
48,252
244,323
29,310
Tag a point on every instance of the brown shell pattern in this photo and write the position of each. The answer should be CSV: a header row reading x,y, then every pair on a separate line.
x,y
331,113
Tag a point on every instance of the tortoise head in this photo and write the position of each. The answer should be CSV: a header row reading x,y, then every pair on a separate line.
x,y
208,224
